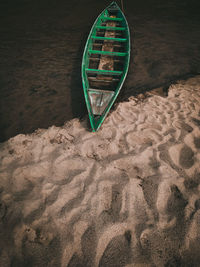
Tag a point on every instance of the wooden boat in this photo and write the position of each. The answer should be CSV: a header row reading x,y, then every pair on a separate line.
x,y
105,63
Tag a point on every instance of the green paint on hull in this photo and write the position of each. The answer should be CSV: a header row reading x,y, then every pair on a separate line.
x,y
106,16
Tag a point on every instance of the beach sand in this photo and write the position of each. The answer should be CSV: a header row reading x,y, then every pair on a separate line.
x,y
127,195
42,44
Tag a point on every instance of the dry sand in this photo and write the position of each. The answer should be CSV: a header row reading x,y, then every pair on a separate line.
x,y
128,195
41,48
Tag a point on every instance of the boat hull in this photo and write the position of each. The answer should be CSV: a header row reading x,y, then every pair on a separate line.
x,y
105,63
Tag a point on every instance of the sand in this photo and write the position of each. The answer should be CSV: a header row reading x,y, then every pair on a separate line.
x,y
41,48
128,195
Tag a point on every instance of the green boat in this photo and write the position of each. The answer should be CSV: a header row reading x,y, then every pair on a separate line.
x,y
105,63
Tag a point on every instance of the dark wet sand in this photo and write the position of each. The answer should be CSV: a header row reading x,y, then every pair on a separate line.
x,y
41,48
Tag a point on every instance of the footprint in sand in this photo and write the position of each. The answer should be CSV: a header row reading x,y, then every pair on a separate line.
x,y
186,159
182,155
21,186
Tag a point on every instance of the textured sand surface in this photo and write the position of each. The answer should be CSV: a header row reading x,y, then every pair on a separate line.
x,y
41,48
128,195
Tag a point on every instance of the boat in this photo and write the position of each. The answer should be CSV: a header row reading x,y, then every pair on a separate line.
x,y
105,63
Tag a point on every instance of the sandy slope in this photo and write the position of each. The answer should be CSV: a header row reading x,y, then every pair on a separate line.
x,y
128,195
